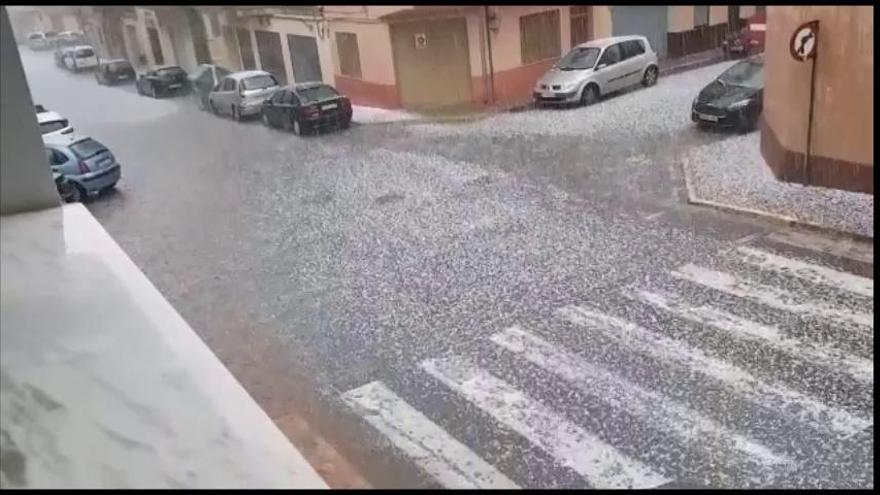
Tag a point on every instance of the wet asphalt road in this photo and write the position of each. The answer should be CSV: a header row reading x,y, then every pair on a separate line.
x,y
477,304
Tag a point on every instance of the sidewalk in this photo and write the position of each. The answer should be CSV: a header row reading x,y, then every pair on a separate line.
x,y
731,174
692,61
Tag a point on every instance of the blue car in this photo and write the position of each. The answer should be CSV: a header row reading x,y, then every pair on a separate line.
x,y
85,162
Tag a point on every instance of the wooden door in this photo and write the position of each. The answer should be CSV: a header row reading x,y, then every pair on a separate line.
x,y
271,59
431,62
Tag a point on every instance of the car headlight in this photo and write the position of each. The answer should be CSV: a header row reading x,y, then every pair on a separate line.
x,y
739,104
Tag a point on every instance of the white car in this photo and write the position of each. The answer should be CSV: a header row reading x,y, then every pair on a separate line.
x,y
596,68
52,124
241,94
81,57
37,41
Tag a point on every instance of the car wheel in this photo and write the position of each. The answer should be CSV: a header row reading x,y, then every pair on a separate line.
x,y
236,113
74,196
650,77
345,124
84,196
589,95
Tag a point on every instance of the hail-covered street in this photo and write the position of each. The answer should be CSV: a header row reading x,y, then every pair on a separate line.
x,y
521,301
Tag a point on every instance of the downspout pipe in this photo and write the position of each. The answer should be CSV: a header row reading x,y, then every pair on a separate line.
x,y
491,65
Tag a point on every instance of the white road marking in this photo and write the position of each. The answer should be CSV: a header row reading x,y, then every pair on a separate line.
x,y
816,274
599,463
770,296
444,458
824,355
772,396
651,407
844,249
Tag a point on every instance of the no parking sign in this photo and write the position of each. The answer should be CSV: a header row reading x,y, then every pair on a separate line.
x,y
804,41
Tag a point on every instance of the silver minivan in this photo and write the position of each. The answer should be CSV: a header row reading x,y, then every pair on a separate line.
x,y
596,68
241,94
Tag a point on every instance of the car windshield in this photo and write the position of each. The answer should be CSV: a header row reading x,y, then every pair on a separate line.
x,y
85,52
169,72
317,93
52,126
748,73
87,148
259,82
579,58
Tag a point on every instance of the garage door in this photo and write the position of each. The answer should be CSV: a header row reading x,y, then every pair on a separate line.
x,y
304,57
648,21
431,61
271,59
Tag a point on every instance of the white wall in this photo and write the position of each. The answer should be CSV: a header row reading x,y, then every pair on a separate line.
x,y
25,179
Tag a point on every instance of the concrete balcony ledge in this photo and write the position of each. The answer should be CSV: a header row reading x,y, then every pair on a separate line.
x,y
105,385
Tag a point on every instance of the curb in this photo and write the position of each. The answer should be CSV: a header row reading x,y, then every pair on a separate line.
x,y
776,218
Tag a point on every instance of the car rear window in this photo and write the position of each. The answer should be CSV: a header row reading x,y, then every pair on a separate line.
x,y
171,71
259,82
52,126
118,66
85,52
317,94
87,148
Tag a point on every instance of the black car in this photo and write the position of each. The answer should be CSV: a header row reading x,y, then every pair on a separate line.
x,y
114,72
735,98
305,107
163,81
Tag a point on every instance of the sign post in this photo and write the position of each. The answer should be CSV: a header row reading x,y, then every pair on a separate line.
x,y
803,45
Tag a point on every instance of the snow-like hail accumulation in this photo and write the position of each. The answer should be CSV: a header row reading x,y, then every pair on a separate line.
x,y
658,110
372,115
732,172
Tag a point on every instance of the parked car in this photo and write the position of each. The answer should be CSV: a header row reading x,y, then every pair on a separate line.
x,y
80,57
66,189
747,41
115,71
306,106
735,98
72,37
206,78
241,94
37,41
51,123
596,68
85,162
62,50
39,108
163,81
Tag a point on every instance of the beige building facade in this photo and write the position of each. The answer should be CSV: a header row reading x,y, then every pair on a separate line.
x,y
841,148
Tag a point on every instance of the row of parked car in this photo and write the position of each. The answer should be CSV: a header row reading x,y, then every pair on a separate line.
x,y
596,68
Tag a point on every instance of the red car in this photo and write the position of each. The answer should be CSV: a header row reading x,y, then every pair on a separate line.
x,y
749,40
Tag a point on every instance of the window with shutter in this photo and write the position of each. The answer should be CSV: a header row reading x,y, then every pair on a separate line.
x,y
539,36
349,57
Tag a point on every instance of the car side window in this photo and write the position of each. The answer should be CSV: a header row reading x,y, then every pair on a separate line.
x,y
292,99
204,78
55,157
611,55
633,48
229,85
278,97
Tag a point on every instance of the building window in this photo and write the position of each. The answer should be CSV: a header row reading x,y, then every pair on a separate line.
x,y
349,56
701,15
539,36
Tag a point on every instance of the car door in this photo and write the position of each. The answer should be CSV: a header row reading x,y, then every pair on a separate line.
x,y
634,61
272,109
223,97
609,68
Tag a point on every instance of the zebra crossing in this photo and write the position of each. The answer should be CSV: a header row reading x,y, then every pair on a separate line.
x,y
588,452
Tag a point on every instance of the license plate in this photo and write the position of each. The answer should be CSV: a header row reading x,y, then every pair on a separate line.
x,y
710,118
329,107
174,86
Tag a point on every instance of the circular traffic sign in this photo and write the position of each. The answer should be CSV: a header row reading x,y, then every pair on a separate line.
x,y
803,41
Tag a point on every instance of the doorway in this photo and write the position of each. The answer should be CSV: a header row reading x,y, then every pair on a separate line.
x,y
271,59
156,46
304,58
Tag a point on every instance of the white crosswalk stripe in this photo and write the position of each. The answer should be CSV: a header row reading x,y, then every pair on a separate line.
x,y
844,249
443,457
651,407
771,296
816,274
600,464
775,397
824,355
